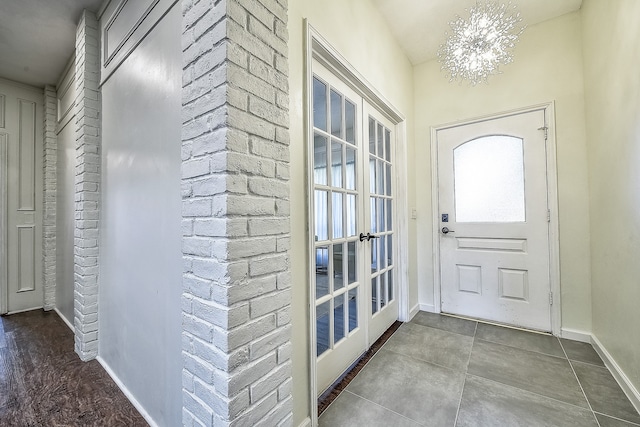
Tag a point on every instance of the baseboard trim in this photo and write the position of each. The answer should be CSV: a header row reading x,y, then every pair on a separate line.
x,y
24,310
127,393
414,311
575,335
625,383
428,307
305,423
65,320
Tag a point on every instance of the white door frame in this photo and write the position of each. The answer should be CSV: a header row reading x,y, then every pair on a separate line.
x,y
316,47
552,200
4,147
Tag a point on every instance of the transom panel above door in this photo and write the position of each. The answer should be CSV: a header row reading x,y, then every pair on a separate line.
x,y
494,220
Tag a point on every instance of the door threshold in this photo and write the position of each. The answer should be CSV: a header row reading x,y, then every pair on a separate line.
x,y
494,323
326,398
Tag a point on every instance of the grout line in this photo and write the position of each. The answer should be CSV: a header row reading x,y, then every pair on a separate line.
x,y
579,383
595,365
384,407
529,391
341,384
464,383
436,328
523,349
616,418
428,362
501,325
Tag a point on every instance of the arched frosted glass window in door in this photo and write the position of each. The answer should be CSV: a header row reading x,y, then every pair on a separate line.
x,y
489,180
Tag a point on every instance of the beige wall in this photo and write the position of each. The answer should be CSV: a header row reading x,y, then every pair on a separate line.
x,y
611,32
547,67
357,30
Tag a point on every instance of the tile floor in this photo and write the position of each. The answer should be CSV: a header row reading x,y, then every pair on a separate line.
x,y
443,371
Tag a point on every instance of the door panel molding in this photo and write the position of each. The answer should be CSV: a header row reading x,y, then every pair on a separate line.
x,y
27,155
552,200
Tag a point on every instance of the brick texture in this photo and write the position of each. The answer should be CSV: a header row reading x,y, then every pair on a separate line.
x,y
87,187
50,177
236,221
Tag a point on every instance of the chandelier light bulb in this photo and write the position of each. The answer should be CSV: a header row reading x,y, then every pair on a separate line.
x,y
477,46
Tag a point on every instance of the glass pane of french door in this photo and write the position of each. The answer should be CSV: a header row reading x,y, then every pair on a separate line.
x,y
380,145
351,156
336,211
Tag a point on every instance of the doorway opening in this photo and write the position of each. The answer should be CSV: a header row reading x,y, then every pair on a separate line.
x,y
495,219
356,156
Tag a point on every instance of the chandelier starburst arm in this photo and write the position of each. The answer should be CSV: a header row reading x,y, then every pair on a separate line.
x,y
477,46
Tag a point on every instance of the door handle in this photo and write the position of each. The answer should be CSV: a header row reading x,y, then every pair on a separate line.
x,y
367,237
445,230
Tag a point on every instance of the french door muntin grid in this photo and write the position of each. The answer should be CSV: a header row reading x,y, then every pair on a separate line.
x,y
380,214
336,202
336,209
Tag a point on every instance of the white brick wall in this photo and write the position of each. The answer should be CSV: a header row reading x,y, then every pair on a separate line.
x,y
87,186
50,178
236,296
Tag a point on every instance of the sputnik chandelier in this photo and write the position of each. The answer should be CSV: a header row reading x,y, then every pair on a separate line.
x,y
477,46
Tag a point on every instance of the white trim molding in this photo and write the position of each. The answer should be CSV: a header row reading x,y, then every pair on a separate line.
x,y
414,310
127,393
623,380
64,319
576,335
552,200
429,308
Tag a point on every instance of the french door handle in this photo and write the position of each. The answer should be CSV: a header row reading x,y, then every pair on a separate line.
x,y
367,237
445,230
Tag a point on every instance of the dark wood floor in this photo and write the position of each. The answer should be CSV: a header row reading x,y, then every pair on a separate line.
x,y
44,383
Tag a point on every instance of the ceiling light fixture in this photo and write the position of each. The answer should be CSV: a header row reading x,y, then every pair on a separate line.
x,y
477,46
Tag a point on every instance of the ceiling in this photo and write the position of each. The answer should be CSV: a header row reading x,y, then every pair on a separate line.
x,y
37,38
419,25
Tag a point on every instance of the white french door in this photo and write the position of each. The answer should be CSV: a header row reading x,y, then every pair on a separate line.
x,y
494,220
354,284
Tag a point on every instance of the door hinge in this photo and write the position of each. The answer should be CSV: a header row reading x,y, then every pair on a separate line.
x,y
550,298
548,215
546,131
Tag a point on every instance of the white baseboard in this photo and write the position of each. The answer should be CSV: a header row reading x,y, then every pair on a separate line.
x,y
305,423
24,310
127,393
575,335
428,307
625,383
65,320
414,311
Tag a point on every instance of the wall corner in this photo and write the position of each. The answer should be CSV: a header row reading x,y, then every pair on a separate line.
x,y
87,186
50,186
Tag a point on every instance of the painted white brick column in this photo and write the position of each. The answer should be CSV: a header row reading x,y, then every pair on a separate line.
x,y
50,178
236,221
87,187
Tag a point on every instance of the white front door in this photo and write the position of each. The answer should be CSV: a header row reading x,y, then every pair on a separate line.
x,y
354,284
494,220
21,139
